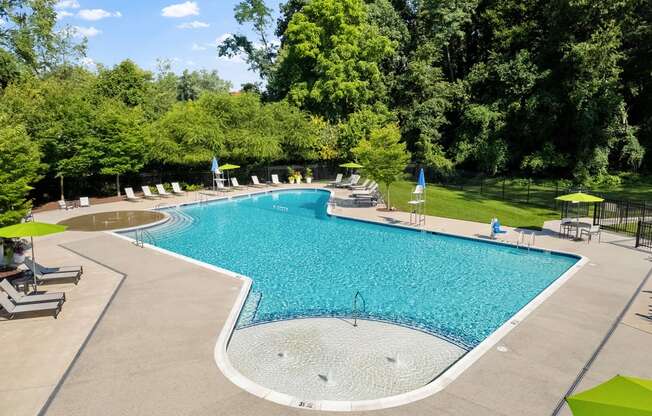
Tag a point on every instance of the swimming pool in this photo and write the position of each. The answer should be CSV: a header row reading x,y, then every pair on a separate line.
x,y
306,263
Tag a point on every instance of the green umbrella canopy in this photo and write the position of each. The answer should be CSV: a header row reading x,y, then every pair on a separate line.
x,y
620,396
31,229
351,165
579,197
229,167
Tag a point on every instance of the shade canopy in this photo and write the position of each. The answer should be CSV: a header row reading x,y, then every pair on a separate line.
x,y
620,396
229,166
579,197
215,168
31,229
351,165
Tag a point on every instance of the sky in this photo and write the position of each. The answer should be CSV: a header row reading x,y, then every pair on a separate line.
x,y
184,32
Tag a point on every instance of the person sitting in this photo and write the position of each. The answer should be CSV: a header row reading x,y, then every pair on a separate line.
x,y
495,228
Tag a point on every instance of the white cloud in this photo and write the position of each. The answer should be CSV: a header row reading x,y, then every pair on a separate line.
x,y
67,4
222,38
63,14
89,63
96,14
191,63
188,8
198,47
87,32
193,25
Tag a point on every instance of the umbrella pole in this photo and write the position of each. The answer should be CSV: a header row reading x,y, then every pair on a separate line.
x,y
33,264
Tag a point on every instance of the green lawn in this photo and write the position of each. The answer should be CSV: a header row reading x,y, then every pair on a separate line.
x,y
472,206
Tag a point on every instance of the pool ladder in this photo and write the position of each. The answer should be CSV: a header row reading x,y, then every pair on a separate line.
x,y
281,208
140,235
526,239
357,300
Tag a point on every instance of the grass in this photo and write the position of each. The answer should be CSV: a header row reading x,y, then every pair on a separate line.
x,y
472,206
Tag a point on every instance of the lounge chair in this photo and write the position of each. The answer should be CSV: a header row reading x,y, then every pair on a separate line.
x,y
12,309
65,205
590,232
148,192
129,194
337,181
220,187
22,299
161,191
84,202
354,181
364,186
49,270
370,191
176,189
256,183
54,276
275,181
235,184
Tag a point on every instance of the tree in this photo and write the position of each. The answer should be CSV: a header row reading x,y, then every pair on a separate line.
x,y
120,139
329,63
192,84
19,166
125,82
259,55
383,156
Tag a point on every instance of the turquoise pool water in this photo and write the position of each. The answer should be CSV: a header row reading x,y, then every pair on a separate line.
x,y
305,263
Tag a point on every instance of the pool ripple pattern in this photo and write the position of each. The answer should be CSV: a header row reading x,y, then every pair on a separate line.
x,y
305,263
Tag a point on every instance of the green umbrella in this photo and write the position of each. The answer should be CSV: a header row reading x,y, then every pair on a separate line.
x,y
620,396
351,165
228,166
31,229
579,197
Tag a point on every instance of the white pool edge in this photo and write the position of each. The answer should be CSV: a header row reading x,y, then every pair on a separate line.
x,y
442,381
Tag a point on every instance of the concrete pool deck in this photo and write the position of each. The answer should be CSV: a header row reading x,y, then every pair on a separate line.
x,y
152,350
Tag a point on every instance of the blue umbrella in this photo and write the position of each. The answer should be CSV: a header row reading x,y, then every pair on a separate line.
x,y
215,168
422,179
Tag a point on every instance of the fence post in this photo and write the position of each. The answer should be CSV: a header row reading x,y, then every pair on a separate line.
x,y
638,234
503,188
529,181
481,184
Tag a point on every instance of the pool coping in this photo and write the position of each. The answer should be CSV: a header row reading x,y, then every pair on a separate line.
x,y
438,384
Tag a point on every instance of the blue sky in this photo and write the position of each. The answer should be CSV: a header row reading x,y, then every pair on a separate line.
x,y
186,32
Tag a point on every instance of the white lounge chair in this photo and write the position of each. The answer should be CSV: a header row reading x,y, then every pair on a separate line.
x,y
161,191
176,189
256,183
84,202
353,179
129,194
12,309
22,299
337,181
220,187
364,185
53,276
275,181
49,270
65,205
235,184
148,192
372,190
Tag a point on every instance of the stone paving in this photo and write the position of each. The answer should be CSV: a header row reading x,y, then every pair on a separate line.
x,y
151,352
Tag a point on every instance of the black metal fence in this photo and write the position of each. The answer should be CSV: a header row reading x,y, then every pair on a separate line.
x,y
644,234
622,216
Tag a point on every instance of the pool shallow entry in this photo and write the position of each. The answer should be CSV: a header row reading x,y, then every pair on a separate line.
x,y
114,220
305,263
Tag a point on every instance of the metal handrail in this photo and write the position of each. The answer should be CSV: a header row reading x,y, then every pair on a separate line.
x,y
140,242
357,296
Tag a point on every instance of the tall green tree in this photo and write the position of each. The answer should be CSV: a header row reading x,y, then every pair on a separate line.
x,y
384,157
330,59
19,166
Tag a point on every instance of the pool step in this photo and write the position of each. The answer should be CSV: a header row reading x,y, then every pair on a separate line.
x,y
248,313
